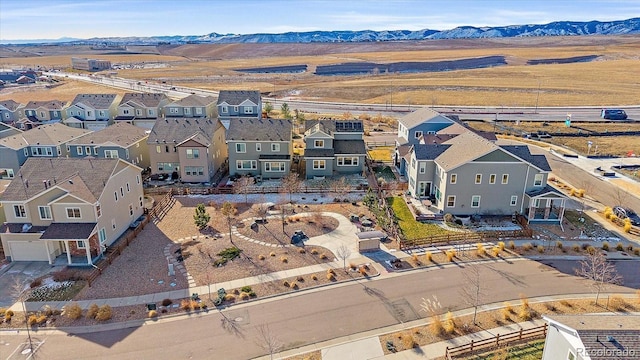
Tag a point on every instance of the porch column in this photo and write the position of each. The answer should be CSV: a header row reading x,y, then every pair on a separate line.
x,y
561,210
46,245
66,243
547,211
87,248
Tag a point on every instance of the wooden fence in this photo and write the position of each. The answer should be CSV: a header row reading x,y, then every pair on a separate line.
x,y
463,237
497,341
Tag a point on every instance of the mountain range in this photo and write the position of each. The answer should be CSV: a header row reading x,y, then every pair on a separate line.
x,y
558,28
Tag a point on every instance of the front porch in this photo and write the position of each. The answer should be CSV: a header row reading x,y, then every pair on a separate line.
x,y
545,205
75,243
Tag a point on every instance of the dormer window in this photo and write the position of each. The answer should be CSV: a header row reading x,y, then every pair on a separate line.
x,y
224,110
318,144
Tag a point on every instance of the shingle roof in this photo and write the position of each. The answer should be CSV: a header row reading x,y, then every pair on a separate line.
x,y
63,231
522,151
48,104
194,100
330,126
429,151
10,105
436,138
422,115
122,134
49,134
544,190
351,147
177,130
464,148
237,97
145,99
259,130
97,101
88,177
318,153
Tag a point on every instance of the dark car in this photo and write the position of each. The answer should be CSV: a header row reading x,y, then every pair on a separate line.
x,y
623,213
613,114
298,236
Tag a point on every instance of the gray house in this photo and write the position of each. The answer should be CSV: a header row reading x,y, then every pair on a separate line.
x,y
7,172
334,147
118,141
10,111
260,147
141,109
192,106
91,111
36,113
238,104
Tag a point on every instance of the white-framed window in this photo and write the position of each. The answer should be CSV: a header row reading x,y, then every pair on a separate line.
x,y
248,110
413,163
258,147
158,149
73,213
193,153
115,194
571,355
453,179
6,174
111,154
80,244
138,112
505,178
417,134
241,148
187,111
347,161
102,235
514,200
140,201
58,150
199,111
151,112
173,110
95,150
319,164
224,109
45,212
130,209
87,150
492,179
246,164
19,211
113,224
79,150
274,166
25,150
126,152
235,109
138,179
537,180
475,201
451,201
193,170
536,203
128,187
478,178
98,210
423,167
318,143
275,147
41,151
125,111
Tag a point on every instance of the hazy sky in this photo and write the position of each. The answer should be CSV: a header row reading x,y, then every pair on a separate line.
x,y
52,19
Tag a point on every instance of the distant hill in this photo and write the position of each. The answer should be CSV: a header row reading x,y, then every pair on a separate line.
x,y
558,28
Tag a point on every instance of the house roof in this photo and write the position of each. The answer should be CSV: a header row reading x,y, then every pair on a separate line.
x,y
353,147
403,149
194,100
8,130
49,134
464,148
177,130
237,97
429,151
259,130
84,178
144,99
64,231
436,138
423,115
122,134
547,189
318,153
10,105
331,126
455,129
522,151
97,101
47,104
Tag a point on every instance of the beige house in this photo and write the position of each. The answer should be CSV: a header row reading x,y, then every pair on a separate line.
x,y
192,106
36,113
141,109
68,211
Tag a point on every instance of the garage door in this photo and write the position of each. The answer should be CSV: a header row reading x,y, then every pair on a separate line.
x,y
28,251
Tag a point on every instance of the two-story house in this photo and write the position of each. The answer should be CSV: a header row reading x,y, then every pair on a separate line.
x,y
470,175
43,141
141,109
69,210
7,131
260,147
118,141
91,111
334,147
238,104
36,113
192,149
192,106
10,111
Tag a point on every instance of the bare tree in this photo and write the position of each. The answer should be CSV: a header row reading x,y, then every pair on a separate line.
x,y
620,196
291,184
284,209
229,211
243,186
343,252
472,291
267,340
18,291
261,209
602,273
340,187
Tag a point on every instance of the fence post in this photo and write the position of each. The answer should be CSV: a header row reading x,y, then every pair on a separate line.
x,y
498,340
471,345
520,334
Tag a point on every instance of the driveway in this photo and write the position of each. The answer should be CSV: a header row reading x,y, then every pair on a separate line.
x,y
22,271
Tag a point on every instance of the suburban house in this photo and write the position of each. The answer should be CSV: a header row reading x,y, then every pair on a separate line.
x,y
44,141
592,337
141,109
90,64
68,211
10,111
118,141
334,147
40,112
470,175
6,131
238,104
260,147
192,106
192,149
91,111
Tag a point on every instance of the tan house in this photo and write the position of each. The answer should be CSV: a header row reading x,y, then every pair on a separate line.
x,y
91,111
141,109
68,211
36,113
10,111
192,106
191,149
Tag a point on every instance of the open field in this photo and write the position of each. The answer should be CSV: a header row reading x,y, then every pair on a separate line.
x,y
67,91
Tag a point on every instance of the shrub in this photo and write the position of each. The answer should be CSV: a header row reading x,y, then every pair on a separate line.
x,y
246,289
620,247
331,271
448,217
35,283
512,245
428,256
436,325
580,193
284,259
92,311
415,259
576,248
496,251
314,277
2,311
481,251
527,246
450,255
617,303
566,303
449,323
166,302
409,342
314,252
261,257
272,254
153,314
244,296
525,301
104,313
525,314
73,311
8,315
636,251
302,251
66,275
300,279
508,307
230,298
236,292
323,256
32,320
540,249
627,226
293,286
331,277
591,250
605,246
559,244
353,266
629,248
363,271
501,245
285,284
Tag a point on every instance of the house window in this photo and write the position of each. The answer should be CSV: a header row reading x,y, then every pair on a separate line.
x,y
130,209
241,148
505,178
111,154
418,134
454,178
101,113
151,112
102,235
193,170
128,188
80,244
475,201
125,111
173,110
246,164
571,356
138,179
121,191
187,111
19,211
115,193
45,212
98,210
140,201
347,161
451,201
6,174
537,180
514,200
166,148
275,147
199,111
26,151
274,166
168,167
319,164
423,167
235,109
492,179
224,110
193,153
87,150
248,110
318,143
95,150
413,163
478,178
158,149
138,112
73,213
258,146
41,151
79,150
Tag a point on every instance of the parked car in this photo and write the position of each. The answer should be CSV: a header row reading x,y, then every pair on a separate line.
x,y
624,213
298,236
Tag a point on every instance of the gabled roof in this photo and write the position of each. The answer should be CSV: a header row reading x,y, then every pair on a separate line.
x,y
48,104
464,148
49,134
436,138
423,115
194,100
122,134
83,178
547,189
177,130
352,147
259,130
331,126
429,151
522,151
8,130
97,101
144,99
237,97
10,105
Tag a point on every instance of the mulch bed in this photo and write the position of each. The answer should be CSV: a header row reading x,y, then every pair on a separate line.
x,y
272,231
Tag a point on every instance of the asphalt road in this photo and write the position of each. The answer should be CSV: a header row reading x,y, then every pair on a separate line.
x,y
629,270
309,317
